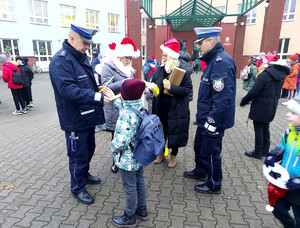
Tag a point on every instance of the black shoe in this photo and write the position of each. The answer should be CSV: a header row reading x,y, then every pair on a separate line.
x,y
202,188
84,197
124,221
142,214
253,154
93,180
193,175
195,122
114,168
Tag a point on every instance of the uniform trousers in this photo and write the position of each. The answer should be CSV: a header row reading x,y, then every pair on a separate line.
x,y
80,146
208,147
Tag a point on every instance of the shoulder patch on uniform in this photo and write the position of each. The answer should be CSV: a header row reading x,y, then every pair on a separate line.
x,y
63,52
218,84
218,59
210,120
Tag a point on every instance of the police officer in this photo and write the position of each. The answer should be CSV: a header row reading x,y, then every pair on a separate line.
x,y
215,110
78,105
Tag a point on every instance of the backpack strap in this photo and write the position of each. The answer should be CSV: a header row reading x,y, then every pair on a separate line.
x,y
138,113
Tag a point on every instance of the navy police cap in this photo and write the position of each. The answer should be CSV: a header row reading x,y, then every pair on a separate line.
x,y
203,33
85,33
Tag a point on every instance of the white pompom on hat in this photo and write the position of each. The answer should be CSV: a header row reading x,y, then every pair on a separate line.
x,y
127,48
294,105
172,48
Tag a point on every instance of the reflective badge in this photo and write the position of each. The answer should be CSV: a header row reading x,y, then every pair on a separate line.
x,y
218,59
218,84
210,120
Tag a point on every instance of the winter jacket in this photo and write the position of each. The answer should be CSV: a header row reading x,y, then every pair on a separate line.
x,y
217,91
290,81
247,85
27,75
126,128
8,69
95,61
177,106
288,152
184,59
265,94
76,93
110,112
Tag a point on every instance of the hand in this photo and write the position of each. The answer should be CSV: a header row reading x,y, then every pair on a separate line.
x,y
167,84
108,92
293,184
270,160
106,100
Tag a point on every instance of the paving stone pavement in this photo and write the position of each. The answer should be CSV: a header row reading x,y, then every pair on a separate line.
x,y
33,157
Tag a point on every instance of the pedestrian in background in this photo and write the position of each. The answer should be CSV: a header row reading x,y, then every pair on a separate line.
x,y
173,111
132,171
27,76
215,110
78,106
16,90
264,96
287,152
247,84
25,62
148,70
114,71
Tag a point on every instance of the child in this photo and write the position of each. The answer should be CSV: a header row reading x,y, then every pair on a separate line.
x,y
131,170
288,152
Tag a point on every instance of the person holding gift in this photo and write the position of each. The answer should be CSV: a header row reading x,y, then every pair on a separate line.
x,y
288,152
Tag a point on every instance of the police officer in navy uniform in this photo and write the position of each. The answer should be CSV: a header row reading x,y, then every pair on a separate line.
x,y
78,105
215,110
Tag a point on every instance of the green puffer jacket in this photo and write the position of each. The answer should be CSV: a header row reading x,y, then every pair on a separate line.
x,y
247,85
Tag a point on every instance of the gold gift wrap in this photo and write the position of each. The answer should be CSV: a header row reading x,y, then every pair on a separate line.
x,y
175,78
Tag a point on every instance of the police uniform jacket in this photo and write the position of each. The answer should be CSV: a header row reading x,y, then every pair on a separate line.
x,y
179,112
217,91
265,94
74,87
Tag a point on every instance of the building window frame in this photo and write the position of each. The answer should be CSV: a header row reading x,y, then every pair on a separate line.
x,y
143,54
64,11
42,53
289,10
251,15
10,46
92,18
8,13
163,21
34,17
143,26
113,22
283,48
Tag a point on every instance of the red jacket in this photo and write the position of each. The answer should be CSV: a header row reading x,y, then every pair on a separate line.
x,y
7,70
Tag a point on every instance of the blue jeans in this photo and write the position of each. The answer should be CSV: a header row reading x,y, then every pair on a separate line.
x,y
281,212
208,159
135,190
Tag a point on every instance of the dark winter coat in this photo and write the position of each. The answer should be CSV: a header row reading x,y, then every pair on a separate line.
x,y
178,106
265,93
216,96
27,75
75,89
95,61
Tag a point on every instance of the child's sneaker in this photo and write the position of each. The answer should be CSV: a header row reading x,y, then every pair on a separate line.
x,y
17,112
29,108
23,111
142,214
124,221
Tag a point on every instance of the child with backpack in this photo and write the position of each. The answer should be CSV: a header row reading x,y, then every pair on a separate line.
x,y
288,153
132,172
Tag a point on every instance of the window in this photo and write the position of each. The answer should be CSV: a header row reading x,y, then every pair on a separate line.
x,y
144,24
38,11
10,46
92,19
289,10
183,48
222,9
163,21
143,54
251,15
67,15
283,48
42,50
6,10
113,22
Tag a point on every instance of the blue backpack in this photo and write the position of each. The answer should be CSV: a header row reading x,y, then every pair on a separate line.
x,y
146,68
149,141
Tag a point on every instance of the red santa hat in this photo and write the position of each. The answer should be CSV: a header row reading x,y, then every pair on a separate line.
x,y
172,48
127,48
111,51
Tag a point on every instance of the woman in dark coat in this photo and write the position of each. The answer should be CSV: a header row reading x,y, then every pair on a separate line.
x,y
264,95
173,111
